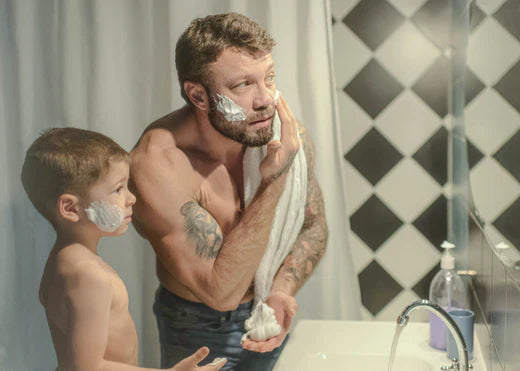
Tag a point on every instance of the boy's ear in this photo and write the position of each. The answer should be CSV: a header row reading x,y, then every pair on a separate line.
x,y
69,207
197,95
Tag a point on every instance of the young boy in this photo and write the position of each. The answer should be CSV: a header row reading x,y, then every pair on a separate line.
x,y
78,180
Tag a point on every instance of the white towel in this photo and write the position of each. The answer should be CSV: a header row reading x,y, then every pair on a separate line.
x,y
289,213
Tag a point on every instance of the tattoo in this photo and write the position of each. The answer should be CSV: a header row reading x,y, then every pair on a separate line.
x,y
310,245
202,229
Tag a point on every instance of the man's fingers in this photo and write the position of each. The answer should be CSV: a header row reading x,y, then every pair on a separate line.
x,y
199,355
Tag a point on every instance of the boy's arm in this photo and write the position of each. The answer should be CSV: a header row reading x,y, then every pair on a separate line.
x,y
89,298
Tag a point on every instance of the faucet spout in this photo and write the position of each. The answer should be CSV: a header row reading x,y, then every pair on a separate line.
x,y
403,318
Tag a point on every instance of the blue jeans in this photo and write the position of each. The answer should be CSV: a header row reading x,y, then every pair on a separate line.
x,y
185,326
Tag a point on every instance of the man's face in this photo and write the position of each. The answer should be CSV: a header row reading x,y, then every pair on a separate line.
x,y
249,82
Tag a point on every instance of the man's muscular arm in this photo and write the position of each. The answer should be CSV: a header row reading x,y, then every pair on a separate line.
x,y
188,242
312,240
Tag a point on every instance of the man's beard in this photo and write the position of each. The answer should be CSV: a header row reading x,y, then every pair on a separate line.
x,y
237,130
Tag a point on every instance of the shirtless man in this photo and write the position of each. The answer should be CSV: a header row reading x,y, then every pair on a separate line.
x,y
187,173
78,179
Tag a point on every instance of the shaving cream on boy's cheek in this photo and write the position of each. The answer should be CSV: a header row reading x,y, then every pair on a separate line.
x,y
107,216
230,110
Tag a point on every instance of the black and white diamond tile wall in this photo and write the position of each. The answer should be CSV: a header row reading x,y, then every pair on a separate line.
x,y
393,75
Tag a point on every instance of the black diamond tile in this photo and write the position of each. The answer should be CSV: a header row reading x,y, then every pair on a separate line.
x,y
476,16
374,222
433,86
509,17
433,156
373,156
432,223
434,19
474,155
373,88
377,287
509,86
507,223
333,20
373,21
472,86
422,288
508,156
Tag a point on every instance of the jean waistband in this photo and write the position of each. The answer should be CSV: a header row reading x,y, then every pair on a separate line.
x,y
164,297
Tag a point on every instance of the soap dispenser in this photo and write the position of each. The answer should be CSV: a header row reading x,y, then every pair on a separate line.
x,y
447,290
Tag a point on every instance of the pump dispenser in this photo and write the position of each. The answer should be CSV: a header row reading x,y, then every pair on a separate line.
x,y
447,290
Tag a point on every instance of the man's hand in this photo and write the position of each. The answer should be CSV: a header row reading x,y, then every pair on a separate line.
x,y
191,363
281,153
285,307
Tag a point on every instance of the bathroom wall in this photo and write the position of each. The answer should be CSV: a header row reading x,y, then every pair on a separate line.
x,y
496,302
391,60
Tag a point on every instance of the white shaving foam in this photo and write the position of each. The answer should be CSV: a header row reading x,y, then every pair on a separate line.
x,y
218,361
230,110
276,97
106,215
262,324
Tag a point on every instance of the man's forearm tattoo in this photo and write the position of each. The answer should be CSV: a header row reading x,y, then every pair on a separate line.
x,y
202,229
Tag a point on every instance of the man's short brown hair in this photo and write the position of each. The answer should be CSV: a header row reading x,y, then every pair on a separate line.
x,y
66,160
206,38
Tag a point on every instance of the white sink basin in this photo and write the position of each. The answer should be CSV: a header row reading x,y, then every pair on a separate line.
x,y
363,346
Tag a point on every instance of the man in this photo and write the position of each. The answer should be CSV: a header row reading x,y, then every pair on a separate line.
x,y
187,170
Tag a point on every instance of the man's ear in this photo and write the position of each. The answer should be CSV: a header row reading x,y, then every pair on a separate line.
x,y
68,207
197,95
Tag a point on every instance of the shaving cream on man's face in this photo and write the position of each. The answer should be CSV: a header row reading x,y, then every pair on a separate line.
x,y
230,110
107,216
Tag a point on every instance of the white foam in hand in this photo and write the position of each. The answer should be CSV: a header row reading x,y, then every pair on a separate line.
x,y
262,324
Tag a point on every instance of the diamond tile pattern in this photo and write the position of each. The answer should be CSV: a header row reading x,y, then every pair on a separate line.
x,y
508,15
509,86
377,287
509,156
507,223
373,21
433,156
433,19
373,88
374,222
393,74
373,156
432,222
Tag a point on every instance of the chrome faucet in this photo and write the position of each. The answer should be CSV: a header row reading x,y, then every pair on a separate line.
x,y
402,320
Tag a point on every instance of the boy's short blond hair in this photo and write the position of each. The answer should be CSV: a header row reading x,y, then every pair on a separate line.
x,y
66,160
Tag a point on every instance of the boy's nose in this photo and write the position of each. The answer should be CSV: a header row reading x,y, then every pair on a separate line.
x,y
131,199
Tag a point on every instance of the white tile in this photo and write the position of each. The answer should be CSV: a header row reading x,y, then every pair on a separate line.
x,y
340,8
490,121
407,54
492,51
494,235
407,7
350,54
407,122
494,189
354,121
395,307
362,255
490,6
407,190
407,256
357,188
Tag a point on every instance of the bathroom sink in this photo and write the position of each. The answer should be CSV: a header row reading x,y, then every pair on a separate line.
x,y
363,346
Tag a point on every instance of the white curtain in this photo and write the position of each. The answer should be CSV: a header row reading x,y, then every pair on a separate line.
x,y
107,65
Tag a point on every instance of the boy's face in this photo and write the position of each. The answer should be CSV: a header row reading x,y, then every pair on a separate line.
x,y
111,191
